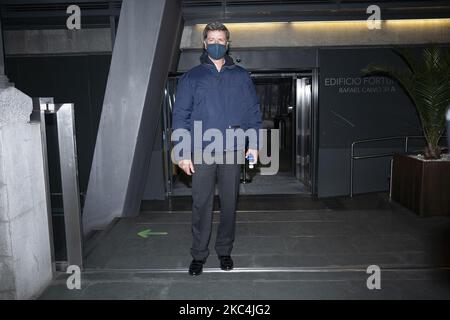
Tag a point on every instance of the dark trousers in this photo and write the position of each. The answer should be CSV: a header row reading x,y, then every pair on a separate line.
x,y
203,187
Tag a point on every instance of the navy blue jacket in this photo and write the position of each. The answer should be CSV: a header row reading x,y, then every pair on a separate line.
x,y
221,100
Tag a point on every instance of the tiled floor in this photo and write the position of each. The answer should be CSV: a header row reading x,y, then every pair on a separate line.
x,y
282,183
286,247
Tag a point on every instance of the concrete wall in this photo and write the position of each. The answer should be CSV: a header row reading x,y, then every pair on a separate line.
x,y
243,35
155,188
59,41
25,259
320,34
355,108
131,110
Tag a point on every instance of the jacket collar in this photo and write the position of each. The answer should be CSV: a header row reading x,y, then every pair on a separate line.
x,y
206,61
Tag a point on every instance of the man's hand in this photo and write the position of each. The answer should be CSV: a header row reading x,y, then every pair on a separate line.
x,y
187,166
254,153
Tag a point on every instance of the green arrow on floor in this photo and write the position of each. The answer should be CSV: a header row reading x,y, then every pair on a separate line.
x,y
148,232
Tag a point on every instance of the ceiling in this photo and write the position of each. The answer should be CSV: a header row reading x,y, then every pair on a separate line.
x,y
42,14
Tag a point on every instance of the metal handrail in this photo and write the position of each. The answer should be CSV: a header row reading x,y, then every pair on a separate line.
x,y
380,155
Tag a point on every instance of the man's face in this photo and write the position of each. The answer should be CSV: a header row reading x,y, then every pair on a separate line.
x,y
216,36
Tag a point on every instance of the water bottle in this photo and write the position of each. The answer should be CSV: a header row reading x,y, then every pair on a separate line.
x,y
250,161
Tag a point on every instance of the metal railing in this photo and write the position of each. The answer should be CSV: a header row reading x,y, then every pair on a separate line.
x,y
70,194
380,155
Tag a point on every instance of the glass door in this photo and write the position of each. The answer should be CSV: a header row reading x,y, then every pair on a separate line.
x,y
303,137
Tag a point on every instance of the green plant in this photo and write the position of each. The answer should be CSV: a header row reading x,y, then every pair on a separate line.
x,y
427,82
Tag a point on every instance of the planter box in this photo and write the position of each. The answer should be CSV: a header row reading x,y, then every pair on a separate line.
x,y
421,186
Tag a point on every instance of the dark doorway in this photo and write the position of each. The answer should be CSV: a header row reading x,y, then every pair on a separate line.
x,y
286,105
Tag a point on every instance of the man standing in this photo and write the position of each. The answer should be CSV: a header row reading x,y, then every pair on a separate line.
x,y
219,95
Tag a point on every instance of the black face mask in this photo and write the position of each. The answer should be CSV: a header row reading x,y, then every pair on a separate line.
x,y
216,50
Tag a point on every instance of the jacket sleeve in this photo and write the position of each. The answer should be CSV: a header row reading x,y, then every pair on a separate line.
x,y
182,109
253,118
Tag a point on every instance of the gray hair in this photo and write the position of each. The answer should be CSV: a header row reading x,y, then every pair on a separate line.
x,y
213,26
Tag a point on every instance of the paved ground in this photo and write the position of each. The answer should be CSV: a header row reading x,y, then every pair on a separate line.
x,y
281,183
287,247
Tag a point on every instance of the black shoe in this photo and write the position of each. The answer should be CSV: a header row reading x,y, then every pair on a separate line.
x,y
196,267
226,263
